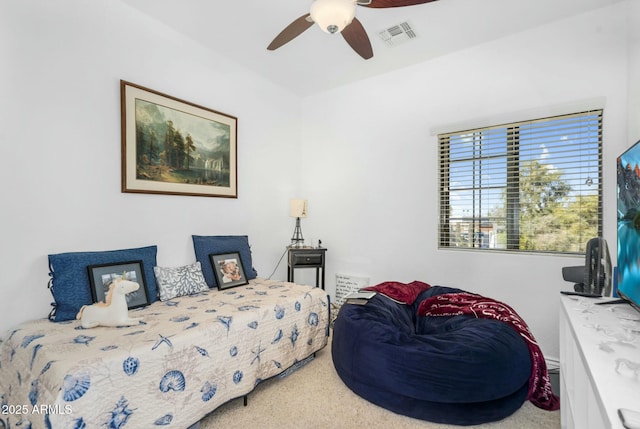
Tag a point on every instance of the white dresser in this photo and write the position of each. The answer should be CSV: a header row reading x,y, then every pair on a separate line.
x,y
599,362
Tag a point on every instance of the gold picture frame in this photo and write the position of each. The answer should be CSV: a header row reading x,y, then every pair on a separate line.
x,y
171,146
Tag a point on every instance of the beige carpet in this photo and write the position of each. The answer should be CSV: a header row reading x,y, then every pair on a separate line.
x,y
315,397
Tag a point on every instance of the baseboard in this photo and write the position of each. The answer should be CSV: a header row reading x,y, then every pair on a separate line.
x,y
552,363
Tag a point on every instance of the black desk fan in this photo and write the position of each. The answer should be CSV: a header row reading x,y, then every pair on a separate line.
x,y
594,278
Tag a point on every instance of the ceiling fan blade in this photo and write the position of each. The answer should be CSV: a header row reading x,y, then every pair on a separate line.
x,y
290,32
394,3
357,38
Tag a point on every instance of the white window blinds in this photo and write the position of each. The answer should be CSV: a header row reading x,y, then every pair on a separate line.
x,y
525,186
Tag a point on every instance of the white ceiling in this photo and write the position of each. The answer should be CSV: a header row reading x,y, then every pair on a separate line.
x,y
316,61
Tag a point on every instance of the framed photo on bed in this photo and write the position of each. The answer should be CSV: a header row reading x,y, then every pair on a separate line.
x,y
228,269
101,277
172,146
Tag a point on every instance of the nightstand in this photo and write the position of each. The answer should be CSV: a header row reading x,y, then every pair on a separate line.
x,y
307,257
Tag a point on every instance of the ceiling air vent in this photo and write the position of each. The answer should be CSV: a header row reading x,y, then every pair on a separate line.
x,y
397,34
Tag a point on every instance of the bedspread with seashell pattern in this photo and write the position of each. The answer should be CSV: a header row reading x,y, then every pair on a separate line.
x,y
189,356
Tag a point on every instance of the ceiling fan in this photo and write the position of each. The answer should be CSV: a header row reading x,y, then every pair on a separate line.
x,y
339,16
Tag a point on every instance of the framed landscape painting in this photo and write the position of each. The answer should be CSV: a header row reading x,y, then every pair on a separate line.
x,y
171,146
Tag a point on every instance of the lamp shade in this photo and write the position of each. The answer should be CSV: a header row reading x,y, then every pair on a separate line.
x,y
333,15
298,208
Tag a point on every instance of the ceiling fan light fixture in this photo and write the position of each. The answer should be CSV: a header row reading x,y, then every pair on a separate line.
x,y
332,16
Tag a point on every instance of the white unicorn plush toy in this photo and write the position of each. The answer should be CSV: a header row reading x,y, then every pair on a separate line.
x,y
114,312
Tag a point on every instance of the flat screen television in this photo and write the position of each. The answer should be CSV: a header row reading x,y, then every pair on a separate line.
x,y
628,199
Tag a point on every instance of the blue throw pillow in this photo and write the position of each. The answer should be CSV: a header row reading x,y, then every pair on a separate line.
x,y
70,284
207,245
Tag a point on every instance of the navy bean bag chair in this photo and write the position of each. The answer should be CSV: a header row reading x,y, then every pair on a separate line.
x,y
455,369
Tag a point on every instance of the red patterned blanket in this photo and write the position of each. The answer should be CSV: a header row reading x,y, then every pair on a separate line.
x,y
452,304
403,293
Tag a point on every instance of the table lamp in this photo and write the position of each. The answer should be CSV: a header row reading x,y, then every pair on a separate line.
x,y
298,209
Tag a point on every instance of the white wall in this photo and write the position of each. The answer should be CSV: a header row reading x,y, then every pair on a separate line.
x,y
371,157
60,144
633,50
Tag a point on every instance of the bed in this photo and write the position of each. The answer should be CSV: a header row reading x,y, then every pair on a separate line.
x,y
189,356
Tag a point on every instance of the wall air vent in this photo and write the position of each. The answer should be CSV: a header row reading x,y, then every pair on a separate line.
x,y
398,34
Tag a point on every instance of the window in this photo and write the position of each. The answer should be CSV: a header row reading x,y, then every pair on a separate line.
x,y
533,186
